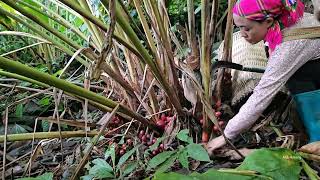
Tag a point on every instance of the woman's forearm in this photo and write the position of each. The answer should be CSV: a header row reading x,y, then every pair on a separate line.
x,y
285,60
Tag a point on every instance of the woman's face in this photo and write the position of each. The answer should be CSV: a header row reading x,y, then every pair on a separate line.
x,y
252,31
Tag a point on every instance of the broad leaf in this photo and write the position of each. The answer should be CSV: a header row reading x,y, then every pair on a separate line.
x,y
19,111
167,164
125,157
45,101
17,129
45,176
183,159
110,152
277,163
197,152
210,174
101,169
100,172
183,136
113,154
45,125
129,168
102,163
160,158
156,144
87,177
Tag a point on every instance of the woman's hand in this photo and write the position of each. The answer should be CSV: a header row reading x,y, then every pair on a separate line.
x,y
215,144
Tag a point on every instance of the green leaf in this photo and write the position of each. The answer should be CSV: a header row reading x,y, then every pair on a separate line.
x,y
160,158
45,125
183,159
100,172
45,101
183,135
17,129
129,168
38,14
278,163
6,20
167,164
108,152
58,73
125,157
210,174
102,163
87,177
197,152
156,144
172,176
45,176
19,110
101,169
113,154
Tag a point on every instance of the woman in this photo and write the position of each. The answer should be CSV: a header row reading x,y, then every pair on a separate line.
x,y
289,62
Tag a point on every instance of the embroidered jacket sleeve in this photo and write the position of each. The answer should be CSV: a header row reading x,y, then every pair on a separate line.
x,y
287,58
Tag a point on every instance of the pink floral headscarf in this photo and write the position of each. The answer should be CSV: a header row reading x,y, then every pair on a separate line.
x,y
285,12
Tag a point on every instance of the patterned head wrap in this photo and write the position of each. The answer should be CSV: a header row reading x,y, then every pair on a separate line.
x,y
285,12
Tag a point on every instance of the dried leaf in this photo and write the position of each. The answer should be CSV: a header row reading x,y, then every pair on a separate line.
x,y
103,120
189,90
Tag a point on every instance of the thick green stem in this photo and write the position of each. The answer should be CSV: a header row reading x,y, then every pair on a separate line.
x,y
192,29
148,60
309,171
76,7
244,173
95,104
145,25
16,76
18,68
167,47
47,135
205,64
108,69
221,88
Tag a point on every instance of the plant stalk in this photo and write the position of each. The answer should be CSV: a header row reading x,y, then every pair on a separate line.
x,y
148,60
18,68
94,142
46,135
